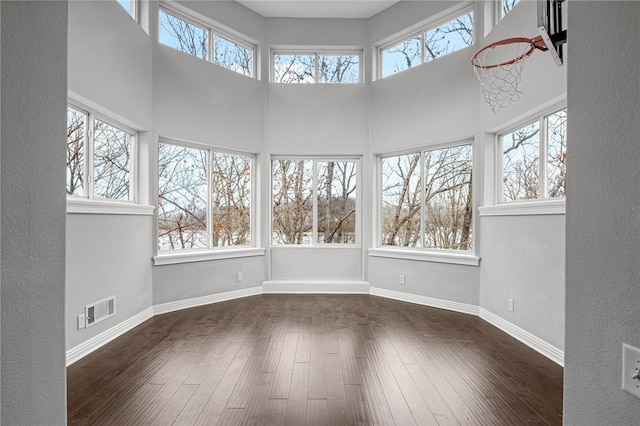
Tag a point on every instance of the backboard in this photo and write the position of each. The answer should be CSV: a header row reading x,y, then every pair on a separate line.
x,y
552,24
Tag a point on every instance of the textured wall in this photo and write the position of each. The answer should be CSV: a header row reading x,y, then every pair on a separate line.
x,y
603,229
34,91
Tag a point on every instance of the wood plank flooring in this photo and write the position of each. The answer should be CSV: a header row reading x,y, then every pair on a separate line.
x,y
314,360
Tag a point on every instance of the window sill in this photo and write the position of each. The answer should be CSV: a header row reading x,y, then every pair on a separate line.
x,y
86,206
525,208
204,255
426,256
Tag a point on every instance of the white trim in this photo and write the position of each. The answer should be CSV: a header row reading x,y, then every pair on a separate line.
x,y
205,300
77,205
315,287
426,256
186,256
308,287
432,302
85,348
521,208
548,350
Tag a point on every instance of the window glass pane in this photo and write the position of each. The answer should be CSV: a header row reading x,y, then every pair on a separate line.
x,y
230,199
454,35
401,56
520,163
76,136
182,198
292,202
401,200
507,5
339,69
556,153
294,68
111,162
182,35
448,204
128,5
336,201
233,56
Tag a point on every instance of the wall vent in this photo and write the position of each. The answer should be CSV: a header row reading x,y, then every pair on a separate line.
x,y
100,310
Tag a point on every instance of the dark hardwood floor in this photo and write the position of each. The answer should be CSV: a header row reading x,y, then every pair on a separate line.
x,y
317,360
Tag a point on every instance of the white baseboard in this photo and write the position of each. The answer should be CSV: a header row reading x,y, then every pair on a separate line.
x,y
315,287
554,354
309,287
205,300
85,348
426,301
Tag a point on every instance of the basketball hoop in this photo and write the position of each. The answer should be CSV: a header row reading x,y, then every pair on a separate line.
x,y
499,66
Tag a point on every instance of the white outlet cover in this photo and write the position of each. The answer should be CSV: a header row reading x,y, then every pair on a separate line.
x,y
630,367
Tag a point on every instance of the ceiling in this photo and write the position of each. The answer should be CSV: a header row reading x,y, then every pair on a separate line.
x,y
317,8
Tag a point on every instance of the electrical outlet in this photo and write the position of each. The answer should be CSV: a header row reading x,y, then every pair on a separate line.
x,y
82,321
240,277
631,370
401,279
510,304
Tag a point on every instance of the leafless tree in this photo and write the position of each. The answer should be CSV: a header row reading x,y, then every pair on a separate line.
x,y
231,199
520,156
76,133
336,201
557,154
188,37
292,201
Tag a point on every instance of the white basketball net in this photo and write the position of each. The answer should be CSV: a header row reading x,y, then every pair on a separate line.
x,y
500,82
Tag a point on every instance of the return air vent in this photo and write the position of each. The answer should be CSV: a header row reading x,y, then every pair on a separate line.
x,y
100,310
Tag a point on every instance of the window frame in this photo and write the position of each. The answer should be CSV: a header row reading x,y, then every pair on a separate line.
x,y
88,203
420,30
430,254
317,52
357,244
552,203
212,30
183,255
133,4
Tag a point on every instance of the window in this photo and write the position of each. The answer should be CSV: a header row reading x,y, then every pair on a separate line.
x,y
426,199
129,6
522,150
314,202
204,198
507,5
202,41
316,67
427,44
99,157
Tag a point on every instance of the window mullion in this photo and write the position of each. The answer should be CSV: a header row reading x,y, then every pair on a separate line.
x,y
423,194
314,196
209,226
423,42
211,45
316,77
543,158
89,150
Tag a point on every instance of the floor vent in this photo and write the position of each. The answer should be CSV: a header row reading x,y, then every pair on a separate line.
x,y
100,310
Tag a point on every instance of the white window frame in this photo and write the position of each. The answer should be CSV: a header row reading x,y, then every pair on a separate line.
x,y
427,254
212,29
133,4
169,257
87,203
420,30
317,52
542,205
314,192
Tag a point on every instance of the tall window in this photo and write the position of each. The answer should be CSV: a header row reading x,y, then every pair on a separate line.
x,y
426,199
314,201
506,6
202,41
129,6
425,45
316,67
99,157
536,149
204,198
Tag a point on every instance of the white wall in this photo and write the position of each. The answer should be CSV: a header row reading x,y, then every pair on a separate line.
x,y
32,110
603,232
110,69
523,256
